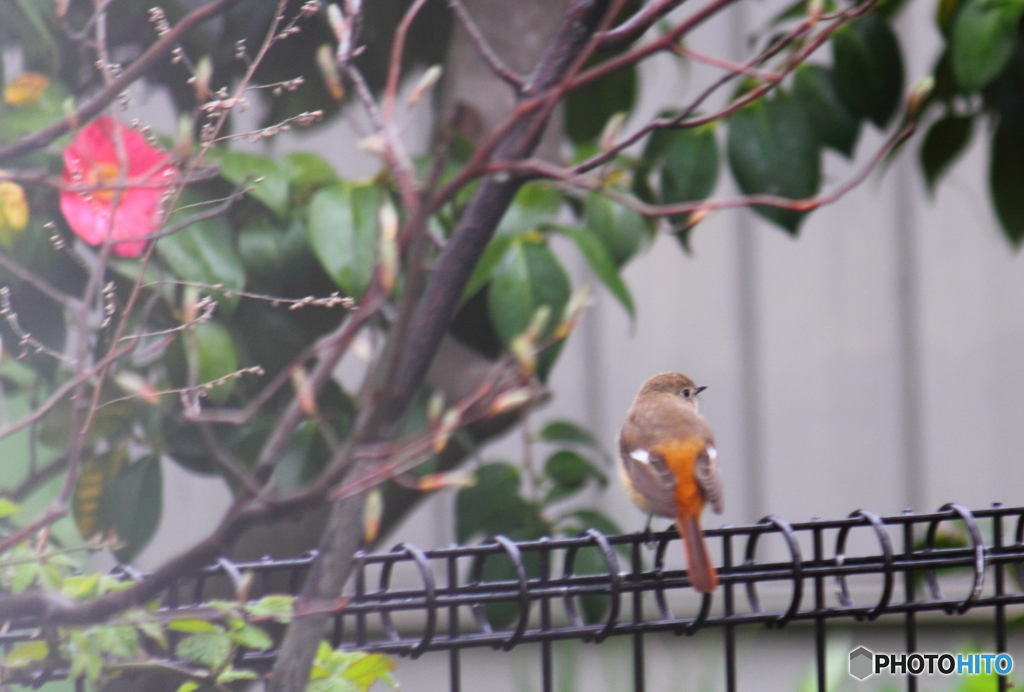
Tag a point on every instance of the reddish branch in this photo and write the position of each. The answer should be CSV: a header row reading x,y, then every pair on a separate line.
x,y
426,310
634,27
486,52
542,169
384,408
103,98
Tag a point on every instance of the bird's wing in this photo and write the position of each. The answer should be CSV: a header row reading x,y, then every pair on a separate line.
x,y
706,470
652,478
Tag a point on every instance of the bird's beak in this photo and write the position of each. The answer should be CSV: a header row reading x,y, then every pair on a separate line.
x,y
699,390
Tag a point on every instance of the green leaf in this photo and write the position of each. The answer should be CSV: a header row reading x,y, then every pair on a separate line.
x,y
619,229
773,150
153,630
493,506
188,686
984,39
80,586
690,162
209,649
1006,179
239,167
192,625
837,128
121,641
565,431
534,204
945,12
587,110
946,88
868,68
203,253
252,637
24,576
946,140
267,249
343,233
134,504
332,684
527,277
492,254
569,472
306,172
26,654
602,265
236,674
8,508
277,607
217,357
368,669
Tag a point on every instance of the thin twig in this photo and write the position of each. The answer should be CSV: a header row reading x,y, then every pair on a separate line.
x,y
487,54
544,169
635,27
105,96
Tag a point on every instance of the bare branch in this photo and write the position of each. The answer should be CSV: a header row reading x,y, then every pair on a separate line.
x,y
487,54
105,96
544,169
634,27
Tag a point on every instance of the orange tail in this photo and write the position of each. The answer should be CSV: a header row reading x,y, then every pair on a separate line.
x,y
698,563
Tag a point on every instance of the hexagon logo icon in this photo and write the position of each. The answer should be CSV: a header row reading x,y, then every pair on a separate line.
x,y
861,663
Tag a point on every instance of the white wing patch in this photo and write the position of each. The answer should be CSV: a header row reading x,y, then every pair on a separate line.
x,y
641,455
713,453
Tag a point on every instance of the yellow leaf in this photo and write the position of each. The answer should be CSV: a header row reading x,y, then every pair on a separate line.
x,y
13,210
97,474
26,89
24,654
513,398
451,479
372,513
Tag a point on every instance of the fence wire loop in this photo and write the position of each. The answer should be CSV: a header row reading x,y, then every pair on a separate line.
x,y
702,616
524,573
977,547
786,529
476,571
614,582
659,575
1018,545
842,590
422,563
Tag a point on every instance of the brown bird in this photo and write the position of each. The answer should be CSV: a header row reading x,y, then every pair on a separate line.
x,y
667,462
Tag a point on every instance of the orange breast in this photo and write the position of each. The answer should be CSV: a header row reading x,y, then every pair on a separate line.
x,y
681,457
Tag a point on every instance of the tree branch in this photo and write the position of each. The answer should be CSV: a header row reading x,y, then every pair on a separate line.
x,y
487,54
105,96
384,409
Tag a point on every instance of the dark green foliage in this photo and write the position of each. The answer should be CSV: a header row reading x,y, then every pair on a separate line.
x,y
868,68
836,126
773,150
945,141
1007,180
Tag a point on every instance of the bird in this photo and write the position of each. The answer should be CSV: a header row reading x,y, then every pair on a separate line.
x,y
668,465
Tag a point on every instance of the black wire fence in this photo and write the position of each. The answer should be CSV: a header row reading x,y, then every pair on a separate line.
x,y
503,594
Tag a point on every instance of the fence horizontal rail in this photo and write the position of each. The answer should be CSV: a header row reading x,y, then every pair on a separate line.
x,y
504,593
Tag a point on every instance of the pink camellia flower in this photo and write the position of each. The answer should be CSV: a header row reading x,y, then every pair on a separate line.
x,y
116,184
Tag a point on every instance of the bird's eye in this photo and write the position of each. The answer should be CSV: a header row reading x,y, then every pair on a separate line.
x,y
685,393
